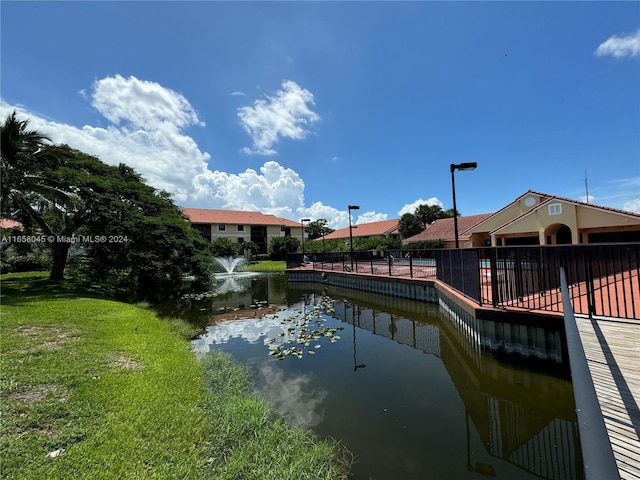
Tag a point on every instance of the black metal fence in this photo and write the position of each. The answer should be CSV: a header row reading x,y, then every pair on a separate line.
x,y
603,279
406,263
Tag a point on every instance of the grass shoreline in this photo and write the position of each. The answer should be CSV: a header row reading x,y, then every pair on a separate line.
x,y
119,394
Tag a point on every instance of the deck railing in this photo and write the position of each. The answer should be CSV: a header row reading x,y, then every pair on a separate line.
x,y
603,279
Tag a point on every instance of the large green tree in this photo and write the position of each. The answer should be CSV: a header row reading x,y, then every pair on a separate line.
x,y
30,195
428,213
134,238
318,228
410,225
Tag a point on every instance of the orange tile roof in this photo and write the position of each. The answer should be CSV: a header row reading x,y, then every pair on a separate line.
x,y
443,228
6,223
206,215
381,228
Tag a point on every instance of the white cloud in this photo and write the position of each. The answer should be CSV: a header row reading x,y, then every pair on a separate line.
x,y
286,115
142,104
147,134
368,217
632,205
627,46
589,199
275,189
335,218
411,207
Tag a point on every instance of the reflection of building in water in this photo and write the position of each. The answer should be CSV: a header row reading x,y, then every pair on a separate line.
x,y
531,423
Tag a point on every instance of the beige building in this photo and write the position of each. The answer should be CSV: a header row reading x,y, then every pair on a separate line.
x,y
239,226
537,218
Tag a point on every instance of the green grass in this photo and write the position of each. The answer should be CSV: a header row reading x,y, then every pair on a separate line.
x,y
268,266
120,391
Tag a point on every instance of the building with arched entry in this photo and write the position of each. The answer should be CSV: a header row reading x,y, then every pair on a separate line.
x,y
537,218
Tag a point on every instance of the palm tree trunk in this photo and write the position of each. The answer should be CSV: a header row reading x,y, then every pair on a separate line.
x,y
59,252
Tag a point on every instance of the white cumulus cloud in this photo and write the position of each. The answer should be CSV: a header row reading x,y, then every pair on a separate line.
x,y
285,115
368,217
274,189
626,46
145,130
587,199
632,205
411,207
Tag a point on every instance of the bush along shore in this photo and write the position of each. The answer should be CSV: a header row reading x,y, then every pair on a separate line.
x,y
93,388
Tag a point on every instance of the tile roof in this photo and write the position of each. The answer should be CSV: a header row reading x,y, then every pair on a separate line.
x,y
6,223
443,228
553,198
206,215
381,228
592,205
546,198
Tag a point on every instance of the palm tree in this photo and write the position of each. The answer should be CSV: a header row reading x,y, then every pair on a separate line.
x,y
28,195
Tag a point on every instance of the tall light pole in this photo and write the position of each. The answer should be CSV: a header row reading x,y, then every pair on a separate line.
x,y
349,208
454,167
302,220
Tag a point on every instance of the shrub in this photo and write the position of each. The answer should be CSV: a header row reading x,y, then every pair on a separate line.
x,y
280,246
29,262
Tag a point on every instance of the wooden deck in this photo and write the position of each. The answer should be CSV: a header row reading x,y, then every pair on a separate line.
x,y
612,348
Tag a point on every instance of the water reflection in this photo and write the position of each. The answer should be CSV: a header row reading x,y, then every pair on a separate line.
x,y
432,402
297,396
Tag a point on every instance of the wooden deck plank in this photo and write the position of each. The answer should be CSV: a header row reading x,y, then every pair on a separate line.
x,y
612,348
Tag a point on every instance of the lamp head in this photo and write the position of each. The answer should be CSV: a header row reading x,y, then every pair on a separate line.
x,y
353,207
464,166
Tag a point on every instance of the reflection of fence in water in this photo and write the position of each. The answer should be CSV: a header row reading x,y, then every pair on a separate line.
x,y
423,337
532,440
551,453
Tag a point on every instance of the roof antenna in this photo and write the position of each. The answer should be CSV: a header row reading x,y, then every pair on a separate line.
x,y
586,185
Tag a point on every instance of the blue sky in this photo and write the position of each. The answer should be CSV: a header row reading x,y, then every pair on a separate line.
x,y
301,108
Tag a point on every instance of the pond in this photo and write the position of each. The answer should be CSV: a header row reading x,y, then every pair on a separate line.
x,y
404,390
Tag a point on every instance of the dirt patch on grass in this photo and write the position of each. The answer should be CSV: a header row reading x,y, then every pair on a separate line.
x,y
121,362
37,393
47,338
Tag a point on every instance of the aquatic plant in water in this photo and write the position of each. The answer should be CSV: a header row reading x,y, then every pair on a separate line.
x,y
304,330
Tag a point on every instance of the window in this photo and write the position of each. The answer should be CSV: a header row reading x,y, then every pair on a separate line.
x,y
555,209
240,228
222,228
240,239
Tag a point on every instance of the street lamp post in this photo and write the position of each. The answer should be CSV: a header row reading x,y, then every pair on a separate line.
x,y
454,167
302,220
349,208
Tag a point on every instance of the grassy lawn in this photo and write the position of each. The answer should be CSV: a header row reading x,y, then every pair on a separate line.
x,y
117,393
268,266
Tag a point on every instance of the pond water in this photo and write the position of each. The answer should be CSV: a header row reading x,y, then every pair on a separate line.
x,y
407,393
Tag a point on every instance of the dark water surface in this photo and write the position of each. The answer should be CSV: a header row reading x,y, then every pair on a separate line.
x,y
402,388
